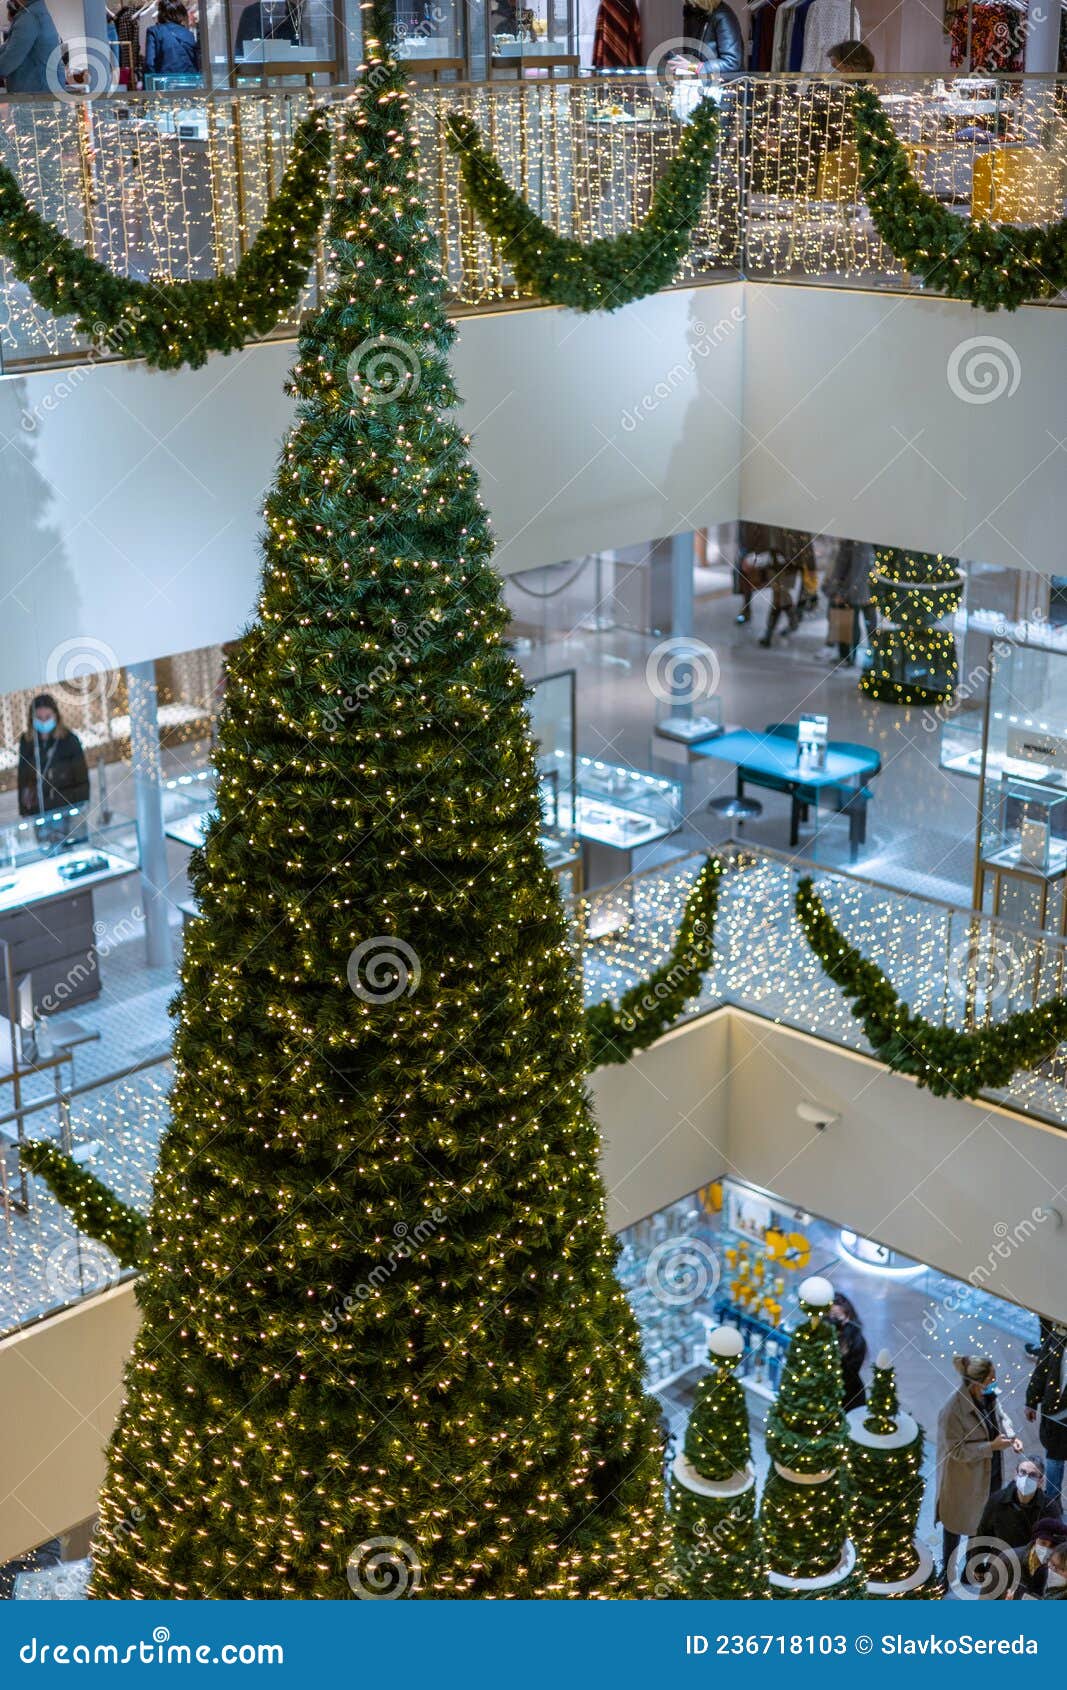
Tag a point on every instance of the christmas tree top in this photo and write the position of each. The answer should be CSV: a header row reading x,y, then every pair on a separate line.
x,y
806,1430
717,1441
883,1406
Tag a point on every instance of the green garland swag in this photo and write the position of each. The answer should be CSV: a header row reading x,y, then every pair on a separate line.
x,y
615,1033
92,1207
993,266
948,1063
178,323
604,274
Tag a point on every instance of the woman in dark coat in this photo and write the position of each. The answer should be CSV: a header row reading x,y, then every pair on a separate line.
x,y
53,774
853,1347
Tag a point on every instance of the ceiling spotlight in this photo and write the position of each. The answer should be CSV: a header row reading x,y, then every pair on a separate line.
x,y
818,1115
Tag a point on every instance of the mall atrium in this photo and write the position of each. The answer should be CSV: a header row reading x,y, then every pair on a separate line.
x,y
533,800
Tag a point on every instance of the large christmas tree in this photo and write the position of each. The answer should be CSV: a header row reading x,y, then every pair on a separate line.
x,y
913,657
885,1456
383,1348
713,1486
804,1513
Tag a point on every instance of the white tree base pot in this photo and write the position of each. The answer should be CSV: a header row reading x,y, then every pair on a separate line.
x,y
906,1433
913,1581
825,1581
804,1478
736,1485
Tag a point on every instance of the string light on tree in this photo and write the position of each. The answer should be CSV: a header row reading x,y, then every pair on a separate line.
x,y
885,1457
713,1486
299,1391
913,658
804,1511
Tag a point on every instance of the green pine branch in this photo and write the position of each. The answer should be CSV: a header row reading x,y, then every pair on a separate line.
x,y
616,1032
92,1206
178,323
993,266
944,1061
598,275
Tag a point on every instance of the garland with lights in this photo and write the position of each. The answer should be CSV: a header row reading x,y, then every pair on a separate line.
x,y
604,274
94,1209
944,1061
616,1032
384,1351
885,1459
804,1512
713,1489
173,324
994,266
913,661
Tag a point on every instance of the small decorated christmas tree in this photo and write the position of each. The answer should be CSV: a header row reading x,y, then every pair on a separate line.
x,y
713,1487
913,658
805,1509
885,1456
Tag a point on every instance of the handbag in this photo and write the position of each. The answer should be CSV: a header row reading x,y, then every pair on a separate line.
x,y
841,624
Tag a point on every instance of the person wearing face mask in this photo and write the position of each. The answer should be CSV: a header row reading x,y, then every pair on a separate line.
x,y
1056,1576
853,1347
972,1433
53,774
1049,1536
1013,1512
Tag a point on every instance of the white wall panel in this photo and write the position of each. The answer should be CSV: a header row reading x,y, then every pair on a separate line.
x,y
914,422
131,499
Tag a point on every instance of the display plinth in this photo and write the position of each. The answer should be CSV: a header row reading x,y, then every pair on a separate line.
x,y
915,1581
736,1485
825,1582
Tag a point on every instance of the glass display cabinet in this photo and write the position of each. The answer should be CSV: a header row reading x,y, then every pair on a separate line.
x,y
552,718
525,35
431,37
188,801
271,41
50,866
618,810
1022,850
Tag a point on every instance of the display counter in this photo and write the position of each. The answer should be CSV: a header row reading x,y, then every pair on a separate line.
x,y
55,863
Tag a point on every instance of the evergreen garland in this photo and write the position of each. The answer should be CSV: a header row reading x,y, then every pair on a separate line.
x,y
993,266
605,273
94,1209
615,1033
178,323
384,1350
944,1061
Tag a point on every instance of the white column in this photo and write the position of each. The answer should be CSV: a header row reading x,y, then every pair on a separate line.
x,y
148,796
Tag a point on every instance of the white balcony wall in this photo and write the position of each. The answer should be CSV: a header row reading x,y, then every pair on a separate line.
x,y
131,499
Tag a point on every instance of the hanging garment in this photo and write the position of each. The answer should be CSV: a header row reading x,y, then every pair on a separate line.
x,y
800,28
828,22
763,35
998,37
617,40
780,50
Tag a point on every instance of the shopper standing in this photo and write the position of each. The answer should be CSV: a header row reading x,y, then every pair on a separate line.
x,y
53,774
1015,1511
713,27
30,57
848,587
171,48
972,1433
853,1347
1046,1395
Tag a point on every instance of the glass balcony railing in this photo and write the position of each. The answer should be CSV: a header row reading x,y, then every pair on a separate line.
x,y
952,965
174,185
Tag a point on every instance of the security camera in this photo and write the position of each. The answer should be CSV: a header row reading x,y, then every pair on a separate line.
x,y
817,1115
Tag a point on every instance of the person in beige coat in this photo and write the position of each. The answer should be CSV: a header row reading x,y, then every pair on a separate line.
x,y
972,1430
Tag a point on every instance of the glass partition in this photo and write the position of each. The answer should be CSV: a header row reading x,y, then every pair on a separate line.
x,y
1022,868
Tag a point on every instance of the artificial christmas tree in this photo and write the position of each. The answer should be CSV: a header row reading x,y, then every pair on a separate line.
x,y
913,659
383,1348
885,1457
713,1486
805,1508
